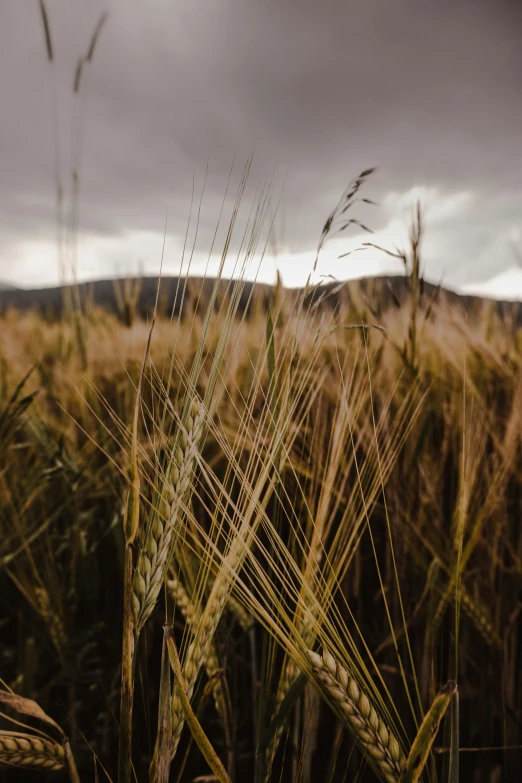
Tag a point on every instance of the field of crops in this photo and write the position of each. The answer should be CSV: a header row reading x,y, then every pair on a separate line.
x,y
281,542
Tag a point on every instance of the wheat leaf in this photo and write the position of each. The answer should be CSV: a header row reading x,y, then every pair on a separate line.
x,y
195,727
420,750
28,707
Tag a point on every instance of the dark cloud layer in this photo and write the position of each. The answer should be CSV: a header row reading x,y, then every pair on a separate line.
x,y
428,91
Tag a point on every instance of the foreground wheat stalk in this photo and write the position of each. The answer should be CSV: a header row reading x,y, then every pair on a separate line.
x,y
198,649
362,718
25,750
153,558
142,583
211,661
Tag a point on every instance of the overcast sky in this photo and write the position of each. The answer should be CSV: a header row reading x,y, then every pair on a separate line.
x,y
428,91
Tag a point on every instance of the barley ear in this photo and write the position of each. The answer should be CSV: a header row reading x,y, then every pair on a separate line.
x,y
153,559
377,742
18,749
211,661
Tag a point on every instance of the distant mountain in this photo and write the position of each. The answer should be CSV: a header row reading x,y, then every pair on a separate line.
x,y
7,286
507,286
103,293
377,293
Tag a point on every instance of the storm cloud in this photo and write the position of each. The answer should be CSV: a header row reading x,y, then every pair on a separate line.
x,y
429,92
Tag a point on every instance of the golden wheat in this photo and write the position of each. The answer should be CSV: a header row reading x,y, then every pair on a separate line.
x,y
197,654
375,738
211,662
25,750
152,561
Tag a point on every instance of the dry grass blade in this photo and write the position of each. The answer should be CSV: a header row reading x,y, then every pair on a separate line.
x,y
95,36
18,749
30,708
78,75
197,732
90,53
47,31
420,750
380,746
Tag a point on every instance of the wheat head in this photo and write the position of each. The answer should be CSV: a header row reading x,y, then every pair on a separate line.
x,y
375,738
152,560
25,750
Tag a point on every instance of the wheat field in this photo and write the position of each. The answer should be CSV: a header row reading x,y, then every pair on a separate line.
x,y
277,540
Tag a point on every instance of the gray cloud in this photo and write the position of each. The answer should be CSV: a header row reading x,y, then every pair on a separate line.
x,y
428,91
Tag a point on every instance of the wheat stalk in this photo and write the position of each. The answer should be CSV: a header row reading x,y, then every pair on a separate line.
x,y
208,622
219,595
25,750
197,653
152,560
211,661
376,740
143,583
209,658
